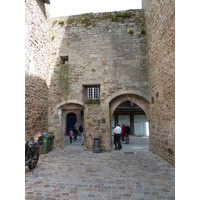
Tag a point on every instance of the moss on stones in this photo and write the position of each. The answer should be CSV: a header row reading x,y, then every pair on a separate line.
x,y
53,36
54,22
63,79
131,31
88,18
92,101
143,31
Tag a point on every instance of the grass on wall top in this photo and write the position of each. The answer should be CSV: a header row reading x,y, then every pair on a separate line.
x,y
88,18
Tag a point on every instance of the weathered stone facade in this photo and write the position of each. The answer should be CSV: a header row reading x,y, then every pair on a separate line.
x,y
108,50
160,25
37,43
101,51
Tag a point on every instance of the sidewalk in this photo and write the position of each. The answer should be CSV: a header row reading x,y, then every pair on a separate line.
x,y
132,173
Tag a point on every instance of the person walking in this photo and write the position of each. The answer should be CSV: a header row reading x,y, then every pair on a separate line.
x,y
70,135
117,135
122,134
81,131
127,133
75,132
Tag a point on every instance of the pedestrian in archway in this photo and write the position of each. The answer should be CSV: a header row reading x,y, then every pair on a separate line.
x,y
75,132
117,135
70,135
123,134
81,132
127,133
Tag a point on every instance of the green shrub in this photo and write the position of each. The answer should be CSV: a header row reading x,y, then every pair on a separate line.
x,y
54,22
92,101
131,31
143,31
53,36
61,22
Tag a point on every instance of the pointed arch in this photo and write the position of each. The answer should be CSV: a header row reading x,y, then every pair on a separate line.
x,y
127,92
75,102
116,99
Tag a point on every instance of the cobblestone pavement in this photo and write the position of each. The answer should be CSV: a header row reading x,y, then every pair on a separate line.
x,y
75,174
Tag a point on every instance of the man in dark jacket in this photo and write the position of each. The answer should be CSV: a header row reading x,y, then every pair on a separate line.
x,y
81,132
127,133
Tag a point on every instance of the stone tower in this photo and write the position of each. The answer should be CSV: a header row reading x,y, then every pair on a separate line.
x,y
110,57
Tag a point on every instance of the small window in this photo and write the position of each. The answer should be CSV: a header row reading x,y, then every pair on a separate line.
x,y
64,59
93,92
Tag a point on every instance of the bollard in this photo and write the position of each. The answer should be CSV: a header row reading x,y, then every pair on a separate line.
x,y
96,145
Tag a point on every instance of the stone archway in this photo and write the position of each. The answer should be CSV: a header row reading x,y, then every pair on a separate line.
x,y
139,100
120,98
57,122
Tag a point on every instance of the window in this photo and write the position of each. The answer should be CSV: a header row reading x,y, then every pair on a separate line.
x,y
64,59
93,92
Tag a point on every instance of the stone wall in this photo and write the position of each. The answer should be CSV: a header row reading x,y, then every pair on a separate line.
x,y
37,44
160,25
106,49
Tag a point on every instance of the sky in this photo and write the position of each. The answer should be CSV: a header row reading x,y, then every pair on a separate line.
x,y
66,8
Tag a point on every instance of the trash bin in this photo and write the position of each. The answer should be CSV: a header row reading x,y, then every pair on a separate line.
x,y
51,137
45,145
96,145
41,145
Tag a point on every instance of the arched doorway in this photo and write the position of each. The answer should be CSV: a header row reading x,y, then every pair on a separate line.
x,y
132,109
130,113
71,119
59,125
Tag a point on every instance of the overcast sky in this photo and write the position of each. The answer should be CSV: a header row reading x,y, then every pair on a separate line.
x,y
66,8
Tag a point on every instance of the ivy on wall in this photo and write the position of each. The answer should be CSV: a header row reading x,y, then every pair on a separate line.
x,y
92,101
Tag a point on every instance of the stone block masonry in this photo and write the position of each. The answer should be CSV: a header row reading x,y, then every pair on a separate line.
x,y
108,50
37,42
105,49
160,25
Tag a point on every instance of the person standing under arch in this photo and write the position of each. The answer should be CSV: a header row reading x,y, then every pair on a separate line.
x,y
127,133
123,134
117,135
81,132
75,132
70,135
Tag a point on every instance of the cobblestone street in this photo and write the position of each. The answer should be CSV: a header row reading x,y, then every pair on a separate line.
x,y
75,174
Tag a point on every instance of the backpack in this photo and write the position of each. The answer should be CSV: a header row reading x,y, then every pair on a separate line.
x,y
70,133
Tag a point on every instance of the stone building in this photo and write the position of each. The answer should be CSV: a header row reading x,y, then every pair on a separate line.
x,y
100,69
94,60
160,27
37,45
